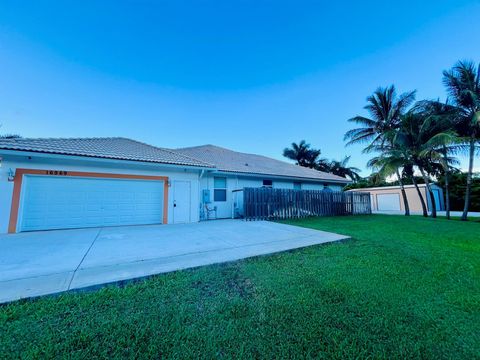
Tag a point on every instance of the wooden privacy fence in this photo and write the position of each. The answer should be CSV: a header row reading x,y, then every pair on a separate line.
x,y
271,204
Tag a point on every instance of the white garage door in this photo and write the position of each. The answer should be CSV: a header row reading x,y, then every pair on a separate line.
x,y
50,202
388,202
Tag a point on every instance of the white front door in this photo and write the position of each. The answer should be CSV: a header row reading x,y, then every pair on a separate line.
x,y
181,201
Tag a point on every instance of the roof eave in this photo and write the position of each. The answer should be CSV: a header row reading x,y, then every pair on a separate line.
x,y
47,155
300,178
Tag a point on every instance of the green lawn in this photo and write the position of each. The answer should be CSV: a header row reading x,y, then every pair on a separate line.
x,y
402,287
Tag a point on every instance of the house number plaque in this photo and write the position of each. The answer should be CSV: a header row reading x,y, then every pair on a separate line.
x,y
56,172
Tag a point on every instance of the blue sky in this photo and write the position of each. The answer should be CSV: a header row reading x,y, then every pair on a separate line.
x,y
248,75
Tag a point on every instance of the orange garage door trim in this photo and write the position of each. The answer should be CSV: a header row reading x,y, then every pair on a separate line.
x,y
17,187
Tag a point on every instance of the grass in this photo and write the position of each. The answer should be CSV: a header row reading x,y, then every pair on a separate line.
x,y
401,288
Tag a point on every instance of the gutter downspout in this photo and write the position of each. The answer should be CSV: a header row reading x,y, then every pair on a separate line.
x,y
202,214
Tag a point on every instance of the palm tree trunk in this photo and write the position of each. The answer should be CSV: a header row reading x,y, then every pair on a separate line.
x,y
404,195
422,200
469,180
430,192
447,189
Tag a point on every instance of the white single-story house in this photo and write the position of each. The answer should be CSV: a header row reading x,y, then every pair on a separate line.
x,y
389,198
92,182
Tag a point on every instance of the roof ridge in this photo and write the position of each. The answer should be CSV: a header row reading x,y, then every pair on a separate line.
x,y
223,148
191,158
307,172
171,151
253,154
198,146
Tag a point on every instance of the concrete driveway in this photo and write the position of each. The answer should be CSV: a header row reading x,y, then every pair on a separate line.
x,y
47,262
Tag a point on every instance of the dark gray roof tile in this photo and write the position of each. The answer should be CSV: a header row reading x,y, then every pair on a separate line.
x,y
108,148
237,162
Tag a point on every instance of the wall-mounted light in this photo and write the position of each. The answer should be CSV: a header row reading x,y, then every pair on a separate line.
x,y
11,175
169,183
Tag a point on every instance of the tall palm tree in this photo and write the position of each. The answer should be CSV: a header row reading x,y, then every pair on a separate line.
x,y
463,85
443,118
387,164
409,171
412,135
421,133
303,154
392,158
385,109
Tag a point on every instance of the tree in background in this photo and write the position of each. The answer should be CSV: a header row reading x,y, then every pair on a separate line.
x,y
9,136
341,168
463,85
303,154
444,142
457,185
409,171
393,158
375,179
385,109
414,132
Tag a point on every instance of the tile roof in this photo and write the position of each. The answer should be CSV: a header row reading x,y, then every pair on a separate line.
x,y
108,148
237,162
209,156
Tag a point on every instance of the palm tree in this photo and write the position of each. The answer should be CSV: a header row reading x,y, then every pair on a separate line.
x,y
341,168
393,158
424,135
385,109
10,136
412,135
463,85
444,141
409,171
323,165
302,154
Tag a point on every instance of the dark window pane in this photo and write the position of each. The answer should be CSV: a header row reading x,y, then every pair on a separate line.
x,y
219,195
267,182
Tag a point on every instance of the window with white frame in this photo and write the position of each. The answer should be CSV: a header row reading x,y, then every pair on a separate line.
x,y
219,189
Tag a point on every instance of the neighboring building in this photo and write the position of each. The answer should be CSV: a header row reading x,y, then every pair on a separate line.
x,y
91,182
389,198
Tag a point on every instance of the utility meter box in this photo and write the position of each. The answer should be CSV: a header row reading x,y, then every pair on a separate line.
x,y
206,196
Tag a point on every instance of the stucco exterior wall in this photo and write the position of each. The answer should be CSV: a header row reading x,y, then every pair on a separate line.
x,y
42,163
234,204
412,196
199,180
